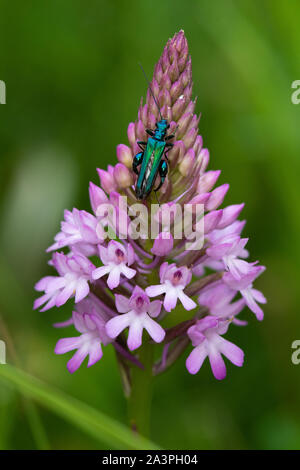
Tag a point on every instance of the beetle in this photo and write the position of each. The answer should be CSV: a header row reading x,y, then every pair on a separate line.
x,y
150,159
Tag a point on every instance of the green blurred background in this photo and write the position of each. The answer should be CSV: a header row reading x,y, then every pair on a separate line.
x,y
73,85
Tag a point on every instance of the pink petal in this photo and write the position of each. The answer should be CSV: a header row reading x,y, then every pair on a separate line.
x,y
82,290
156,332
79,322
233,309
195,359
217,197
49,304
134,340
99,272
104,255
55,283
60,263
218,251
163,244
238,322
217,364
154,308
230,214
76,361
113,279
64,295
231,351
237,267
130,255
95,353
41,300
211,220
97,196
117,324
153,291
65,345
250,301
42,283
258,296
89,321
186,301
170,299
128,272
122,303
162,271
63,324
208,180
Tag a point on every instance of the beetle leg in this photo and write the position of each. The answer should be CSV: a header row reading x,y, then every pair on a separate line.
x,y
150,132
171,136
169,146
163,171
137,161
141,144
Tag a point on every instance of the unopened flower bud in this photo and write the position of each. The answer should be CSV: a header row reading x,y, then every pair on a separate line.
x,y
97,196
211,220
203,159
190,137
122,176
208,180
163,244
107,179
187,163
230,214
217,197
131,134
176,90
124,155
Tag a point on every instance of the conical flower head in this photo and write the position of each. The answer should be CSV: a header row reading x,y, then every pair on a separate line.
x,y
162,254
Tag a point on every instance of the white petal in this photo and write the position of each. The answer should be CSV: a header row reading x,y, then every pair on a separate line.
x,y
186,301
170,299
156,332
128,272
95,352
65,345
99,272
114,277
153,291
82,290
117,324
135,334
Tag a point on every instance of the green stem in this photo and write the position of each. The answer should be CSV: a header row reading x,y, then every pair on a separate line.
x,y
140,398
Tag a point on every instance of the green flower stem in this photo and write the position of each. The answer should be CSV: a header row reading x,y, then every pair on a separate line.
x,y
140,398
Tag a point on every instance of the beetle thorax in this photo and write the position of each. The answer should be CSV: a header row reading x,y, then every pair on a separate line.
x,y
161,129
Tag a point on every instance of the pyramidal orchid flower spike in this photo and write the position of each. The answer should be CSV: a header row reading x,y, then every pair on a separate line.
x,y
125,282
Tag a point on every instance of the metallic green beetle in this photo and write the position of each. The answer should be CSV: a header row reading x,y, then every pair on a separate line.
x,y
151,159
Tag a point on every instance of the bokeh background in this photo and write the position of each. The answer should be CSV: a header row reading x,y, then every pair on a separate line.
x,y
73,85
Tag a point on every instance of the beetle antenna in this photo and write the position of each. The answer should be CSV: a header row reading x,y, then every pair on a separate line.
x,y
147,80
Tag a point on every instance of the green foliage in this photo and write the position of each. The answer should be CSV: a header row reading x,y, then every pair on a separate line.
x,y
96,424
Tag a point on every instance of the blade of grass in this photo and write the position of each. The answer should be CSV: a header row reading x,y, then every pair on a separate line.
x,y
33,417
93,422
